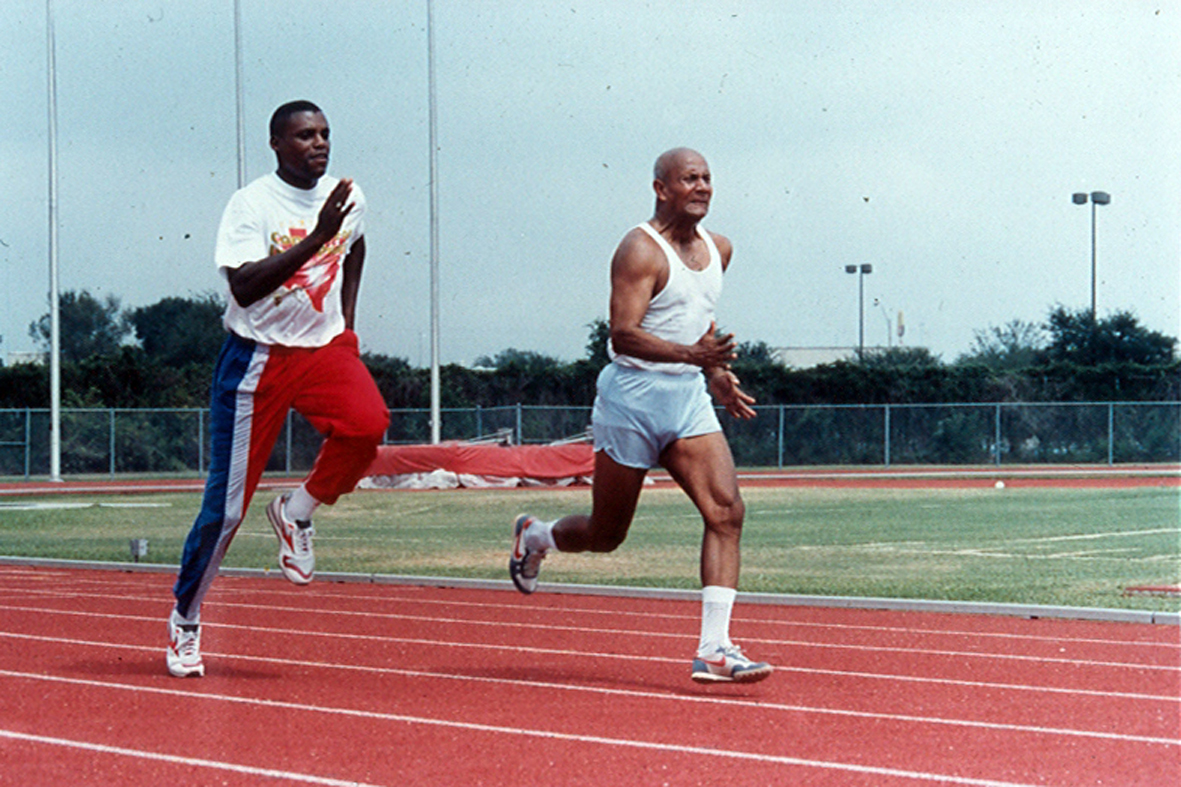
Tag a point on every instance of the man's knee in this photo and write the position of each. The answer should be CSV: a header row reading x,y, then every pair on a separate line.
x,y
362,449
606,542
365,425
726,517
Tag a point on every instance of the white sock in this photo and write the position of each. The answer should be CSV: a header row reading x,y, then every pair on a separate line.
x,y
193,620
300,505
540,536
716,604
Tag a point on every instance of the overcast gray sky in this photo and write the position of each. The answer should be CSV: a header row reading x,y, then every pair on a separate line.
x,y
938,141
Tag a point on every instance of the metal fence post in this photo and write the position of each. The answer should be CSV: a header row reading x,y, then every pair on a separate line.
x,y
520,434
200,442
112,441
781,420
886,431
1110,434
997,437
28,441
287,461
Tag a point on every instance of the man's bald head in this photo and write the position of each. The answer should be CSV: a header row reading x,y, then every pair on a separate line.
x,y
671,160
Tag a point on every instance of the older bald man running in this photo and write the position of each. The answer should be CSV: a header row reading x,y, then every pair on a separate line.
x,y
653,407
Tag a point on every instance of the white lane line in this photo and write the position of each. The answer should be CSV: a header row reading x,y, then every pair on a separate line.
x,y
638,694
976,684
639,633
881,676
223,592
1091,536
991,553
269,773
532,733
53,506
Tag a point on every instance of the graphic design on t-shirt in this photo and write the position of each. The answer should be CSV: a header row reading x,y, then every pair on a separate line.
x,y
316,275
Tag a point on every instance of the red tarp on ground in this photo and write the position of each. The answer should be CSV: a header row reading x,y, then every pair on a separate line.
x,y
518,461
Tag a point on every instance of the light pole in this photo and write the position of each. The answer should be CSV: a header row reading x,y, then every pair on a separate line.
x,y
1097,198
889,323
860,270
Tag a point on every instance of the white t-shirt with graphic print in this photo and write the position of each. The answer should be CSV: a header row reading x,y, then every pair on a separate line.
x,y
269,216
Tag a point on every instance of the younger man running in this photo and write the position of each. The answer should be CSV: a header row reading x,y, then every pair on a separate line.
x,y
291,246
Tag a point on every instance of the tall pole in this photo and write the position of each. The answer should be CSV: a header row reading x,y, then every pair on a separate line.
x,y
1093,261
1096,198
241,101
436,426
861,316
860,270
55,378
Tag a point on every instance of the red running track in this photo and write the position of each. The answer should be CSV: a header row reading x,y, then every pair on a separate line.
x,y
391,685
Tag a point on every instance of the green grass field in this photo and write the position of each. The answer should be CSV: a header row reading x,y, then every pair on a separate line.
x,y
1073,547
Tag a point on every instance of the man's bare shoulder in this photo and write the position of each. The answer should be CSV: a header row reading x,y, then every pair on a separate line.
x,y
638,250
725,247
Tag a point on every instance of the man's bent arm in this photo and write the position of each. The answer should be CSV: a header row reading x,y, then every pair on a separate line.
x,y
253,281
637,274
351,285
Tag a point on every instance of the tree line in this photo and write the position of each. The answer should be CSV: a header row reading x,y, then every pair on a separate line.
x,y
162,355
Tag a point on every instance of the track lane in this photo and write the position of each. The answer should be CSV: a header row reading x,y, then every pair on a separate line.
x,y
958,750
571,684
430,750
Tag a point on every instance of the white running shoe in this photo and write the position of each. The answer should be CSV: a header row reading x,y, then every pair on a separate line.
x,y
296,559
728,664
184,648
524,564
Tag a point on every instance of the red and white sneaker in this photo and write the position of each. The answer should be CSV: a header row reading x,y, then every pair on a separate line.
x,y
524,564
296,558
729,665
184,648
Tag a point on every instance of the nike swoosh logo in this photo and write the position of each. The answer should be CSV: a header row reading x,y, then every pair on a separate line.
x,y
716,662
283,535
288,564
518,552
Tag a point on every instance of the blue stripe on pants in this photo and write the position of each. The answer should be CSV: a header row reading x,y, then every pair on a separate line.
x,y
235,378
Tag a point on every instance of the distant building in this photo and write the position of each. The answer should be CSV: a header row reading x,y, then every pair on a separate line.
x,y
807,357
18,356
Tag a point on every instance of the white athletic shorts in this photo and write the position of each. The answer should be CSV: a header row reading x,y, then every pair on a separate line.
x,y
638,413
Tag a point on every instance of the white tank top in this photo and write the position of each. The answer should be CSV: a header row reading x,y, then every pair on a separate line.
x,y
683,310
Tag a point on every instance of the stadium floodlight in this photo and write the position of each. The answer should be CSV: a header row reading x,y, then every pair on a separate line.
x,y
1096,198
860,270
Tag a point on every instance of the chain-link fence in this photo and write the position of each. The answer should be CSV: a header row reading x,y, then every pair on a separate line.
x,y
176,441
